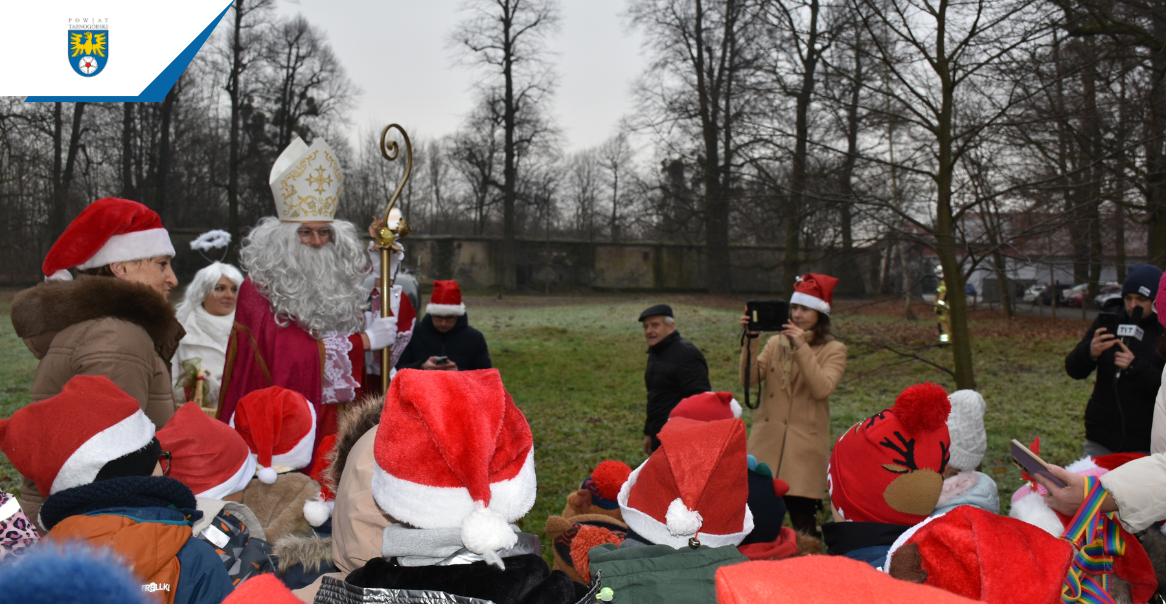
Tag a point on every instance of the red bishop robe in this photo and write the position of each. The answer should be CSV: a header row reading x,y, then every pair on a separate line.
x,y
261,354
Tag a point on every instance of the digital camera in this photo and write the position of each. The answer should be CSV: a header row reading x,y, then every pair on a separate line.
x,y
767,315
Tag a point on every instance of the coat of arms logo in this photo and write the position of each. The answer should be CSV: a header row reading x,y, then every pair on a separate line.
x,y
88,45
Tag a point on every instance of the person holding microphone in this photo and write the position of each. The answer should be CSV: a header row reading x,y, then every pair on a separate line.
x,y
800,368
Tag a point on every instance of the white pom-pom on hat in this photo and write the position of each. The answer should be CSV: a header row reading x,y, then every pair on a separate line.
x,y
682,521
317,511
267,475
486,532
736,407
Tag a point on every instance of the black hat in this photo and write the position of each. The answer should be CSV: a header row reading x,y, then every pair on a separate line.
x,y
655,311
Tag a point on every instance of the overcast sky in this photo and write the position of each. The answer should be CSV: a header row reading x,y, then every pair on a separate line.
x,y
396,52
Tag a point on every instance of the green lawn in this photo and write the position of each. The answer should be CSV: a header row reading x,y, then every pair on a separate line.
x,y
575,367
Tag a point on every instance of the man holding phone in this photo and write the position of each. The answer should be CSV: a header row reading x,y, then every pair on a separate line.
x,y
444,340
1129,368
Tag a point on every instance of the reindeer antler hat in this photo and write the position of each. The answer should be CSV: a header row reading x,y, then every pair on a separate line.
x,y
889,467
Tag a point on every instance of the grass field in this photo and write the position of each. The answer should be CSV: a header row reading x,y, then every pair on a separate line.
x,y
575,367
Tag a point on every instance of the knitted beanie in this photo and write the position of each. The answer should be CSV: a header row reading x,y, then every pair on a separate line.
x,y
1142,279
966,427
889,467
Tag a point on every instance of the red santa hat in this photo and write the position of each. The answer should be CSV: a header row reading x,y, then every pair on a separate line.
x,y
984,556
695,486
1028,502
889,467
446,300
707,407
453,451
279,426
317,511
64,441
820,580
109,230
262,589
206,454
814,291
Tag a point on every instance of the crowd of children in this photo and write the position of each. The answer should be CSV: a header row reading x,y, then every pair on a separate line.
x,y
418,497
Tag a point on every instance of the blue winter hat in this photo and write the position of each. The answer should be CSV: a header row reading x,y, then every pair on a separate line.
x,y
72,574
1142,279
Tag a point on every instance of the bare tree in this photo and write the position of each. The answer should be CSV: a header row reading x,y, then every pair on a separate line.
x,y
615,157
701,62
507,39
582,185
950,99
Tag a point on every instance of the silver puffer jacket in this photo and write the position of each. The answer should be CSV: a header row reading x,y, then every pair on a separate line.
x,y
336,591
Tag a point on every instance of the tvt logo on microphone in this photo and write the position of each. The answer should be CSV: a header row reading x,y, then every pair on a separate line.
x,y
88,44
1128,330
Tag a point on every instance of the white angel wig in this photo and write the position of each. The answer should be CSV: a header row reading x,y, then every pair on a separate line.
x,y
204,281
320,289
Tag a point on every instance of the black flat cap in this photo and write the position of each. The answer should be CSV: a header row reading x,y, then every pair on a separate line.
x,y
655,311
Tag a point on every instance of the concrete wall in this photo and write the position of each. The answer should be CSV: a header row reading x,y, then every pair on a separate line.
x,y
564,265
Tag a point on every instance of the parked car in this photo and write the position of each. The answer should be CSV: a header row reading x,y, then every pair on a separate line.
x,y
1076,296
1034,291
1109,298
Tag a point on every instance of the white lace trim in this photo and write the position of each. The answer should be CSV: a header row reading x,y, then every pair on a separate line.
x,y
339,386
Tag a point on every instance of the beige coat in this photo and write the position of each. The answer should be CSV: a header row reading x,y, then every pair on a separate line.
x,y
791,426
98,326
1137,486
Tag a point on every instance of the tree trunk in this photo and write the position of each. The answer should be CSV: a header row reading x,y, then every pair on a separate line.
x,y
509,173
1154,147
797,185
164,151
63,168
233,151
127,152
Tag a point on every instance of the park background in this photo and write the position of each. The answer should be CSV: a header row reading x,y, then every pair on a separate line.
x,y
574,365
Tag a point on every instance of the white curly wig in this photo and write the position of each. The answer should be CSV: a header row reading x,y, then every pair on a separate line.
x,y
321,289
202,284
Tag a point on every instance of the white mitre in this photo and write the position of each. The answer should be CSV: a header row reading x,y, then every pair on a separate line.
x,y
305,182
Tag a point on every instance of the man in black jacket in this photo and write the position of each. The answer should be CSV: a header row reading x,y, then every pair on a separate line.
x,y
444,340
676,370
1129,370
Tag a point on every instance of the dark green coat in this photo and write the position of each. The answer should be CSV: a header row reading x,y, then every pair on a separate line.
x,y
659,574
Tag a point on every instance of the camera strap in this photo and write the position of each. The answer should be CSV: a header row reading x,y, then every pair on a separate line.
x,y
747,341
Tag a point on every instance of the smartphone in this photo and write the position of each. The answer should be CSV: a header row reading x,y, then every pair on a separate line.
x,y
441,360
1029,462
1108,320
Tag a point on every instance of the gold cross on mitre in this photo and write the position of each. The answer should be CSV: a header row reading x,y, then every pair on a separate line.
x,y
306,181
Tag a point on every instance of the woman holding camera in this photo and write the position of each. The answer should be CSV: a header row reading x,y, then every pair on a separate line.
x,y
791,426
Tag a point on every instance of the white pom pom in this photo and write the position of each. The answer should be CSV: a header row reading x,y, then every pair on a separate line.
x,y
682,522
60,275
1084,464
1032,509
317,512
736,407
486,531
267,475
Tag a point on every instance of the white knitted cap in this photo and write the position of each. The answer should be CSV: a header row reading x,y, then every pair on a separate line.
x,y
966,426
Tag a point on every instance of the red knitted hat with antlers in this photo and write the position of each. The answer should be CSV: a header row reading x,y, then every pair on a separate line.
x,y
889,467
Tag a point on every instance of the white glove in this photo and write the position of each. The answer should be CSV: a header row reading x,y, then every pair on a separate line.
x,y
374,256
381,331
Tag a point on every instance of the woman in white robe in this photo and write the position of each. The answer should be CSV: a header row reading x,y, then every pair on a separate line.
x,y
207,311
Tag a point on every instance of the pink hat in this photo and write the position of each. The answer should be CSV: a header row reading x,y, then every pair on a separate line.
x,y
814,291
453,451
695,486
108,230
279,426
206,454
446,300
65,441
707,407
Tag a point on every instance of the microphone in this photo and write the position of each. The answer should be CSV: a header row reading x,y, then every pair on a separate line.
x,y
1131,329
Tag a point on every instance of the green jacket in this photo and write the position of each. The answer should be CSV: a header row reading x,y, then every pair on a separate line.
x,y
660,574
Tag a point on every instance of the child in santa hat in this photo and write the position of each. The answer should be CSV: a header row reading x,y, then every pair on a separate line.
x,y
279,428
686,510
963,484
999,560
886,474
591,517
212,459
94,452
455,466
770,540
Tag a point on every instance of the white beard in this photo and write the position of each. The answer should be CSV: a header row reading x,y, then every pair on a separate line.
x,y
320,289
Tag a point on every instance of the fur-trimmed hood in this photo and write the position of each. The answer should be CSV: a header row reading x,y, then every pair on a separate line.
x,y
38,313
353,423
